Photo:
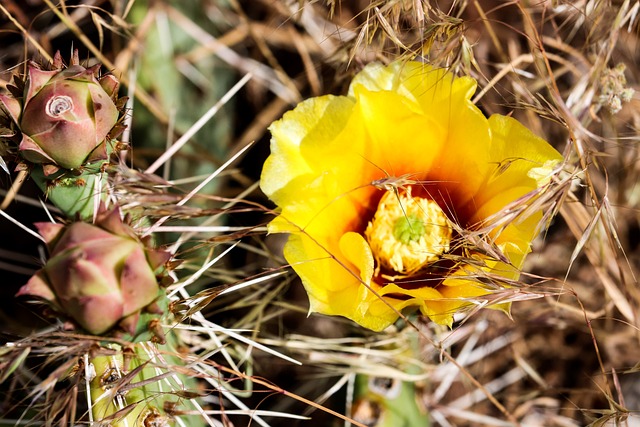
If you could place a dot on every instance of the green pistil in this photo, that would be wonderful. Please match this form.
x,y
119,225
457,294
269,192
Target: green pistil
x,y
408,229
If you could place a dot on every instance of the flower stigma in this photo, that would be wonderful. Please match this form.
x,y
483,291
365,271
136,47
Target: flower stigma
x,y
407,233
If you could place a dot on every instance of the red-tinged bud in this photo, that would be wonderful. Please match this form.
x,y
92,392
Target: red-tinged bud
x,y
64,115
98,274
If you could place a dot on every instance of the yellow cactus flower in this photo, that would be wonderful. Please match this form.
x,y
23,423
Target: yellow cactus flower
x,y
381,191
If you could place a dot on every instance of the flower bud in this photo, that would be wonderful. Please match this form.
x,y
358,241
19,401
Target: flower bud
x,y
64,115
97,274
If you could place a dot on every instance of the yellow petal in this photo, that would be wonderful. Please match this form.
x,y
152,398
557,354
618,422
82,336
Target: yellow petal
x,y
339,284
401,140
325,115
357,252
463,159
420,297
514,152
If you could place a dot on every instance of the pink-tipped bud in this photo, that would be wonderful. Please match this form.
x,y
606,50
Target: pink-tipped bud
x,y
64,115
98,274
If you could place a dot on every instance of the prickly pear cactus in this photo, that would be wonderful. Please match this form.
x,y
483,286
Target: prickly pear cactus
x,y
387,402
108,284
101,279
138,386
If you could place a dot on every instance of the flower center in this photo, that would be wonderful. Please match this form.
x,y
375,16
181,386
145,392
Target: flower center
x,y
407,233
58,105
